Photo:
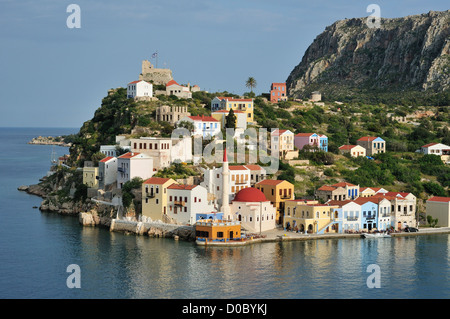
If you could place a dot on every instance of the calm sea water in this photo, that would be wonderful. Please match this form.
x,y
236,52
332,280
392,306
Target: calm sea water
x,y
36,248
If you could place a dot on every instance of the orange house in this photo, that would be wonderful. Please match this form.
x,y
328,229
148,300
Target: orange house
x,y
208,229
278,92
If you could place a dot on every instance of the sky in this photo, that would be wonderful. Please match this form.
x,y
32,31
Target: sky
x,y
55,76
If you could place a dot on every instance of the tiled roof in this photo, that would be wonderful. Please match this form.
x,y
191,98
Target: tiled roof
x,y
238,168
270,182
367,138
104,160
157,180
428,145
182,187
254,167
304,134
172,82
129,155
326,188
439,199
342,184
230,99
347,147
203,118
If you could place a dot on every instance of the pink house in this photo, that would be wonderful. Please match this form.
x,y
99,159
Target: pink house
x,y
313,139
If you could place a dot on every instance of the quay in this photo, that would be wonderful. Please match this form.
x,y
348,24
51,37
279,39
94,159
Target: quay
x,y
280,235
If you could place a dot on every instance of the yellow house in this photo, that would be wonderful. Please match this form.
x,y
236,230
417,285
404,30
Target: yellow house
x,y
154,197
310,216
90,176
277,192
228,103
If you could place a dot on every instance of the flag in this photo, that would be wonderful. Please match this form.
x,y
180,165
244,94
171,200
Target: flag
x,y
154,55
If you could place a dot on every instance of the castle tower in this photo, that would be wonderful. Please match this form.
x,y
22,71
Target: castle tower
x,y
225,209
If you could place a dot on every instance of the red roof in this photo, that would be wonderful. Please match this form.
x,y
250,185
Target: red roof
x,y
250,194
136,81
367,138
104,160
428,145
342,184
172,82
304,134
338,202
129,155
326,188
439,199
284,83
233,99
254,167
279,132
156,180
185,187
203,118
270,182
238,168
347,147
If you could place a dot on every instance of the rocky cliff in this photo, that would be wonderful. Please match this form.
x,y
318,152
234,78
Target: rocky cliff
x,y
403,54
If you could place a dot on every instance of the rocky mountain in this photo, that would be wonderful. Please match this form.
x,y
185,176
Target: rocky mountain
x,y
404,54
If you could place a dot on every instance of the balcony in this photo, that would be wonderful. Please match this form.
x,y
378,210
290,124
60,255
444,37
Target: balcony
x,y
238,182
179,203
350,219
370,217
121,169
286,196
150,195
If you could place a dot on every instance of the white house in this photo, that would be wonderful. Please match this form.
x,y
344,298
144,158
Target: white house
x,y
139,88
173,88
107,171
251,207
158,148
351,216
132,165
204,125
435,149
186,201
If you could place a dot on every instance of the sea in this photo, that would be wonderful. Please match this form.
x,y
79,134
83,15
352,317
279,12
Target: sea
x,y
38,253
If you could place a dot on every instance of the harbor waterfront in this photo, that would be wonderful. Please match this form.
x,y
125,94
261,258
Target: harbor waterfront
x,y
38,247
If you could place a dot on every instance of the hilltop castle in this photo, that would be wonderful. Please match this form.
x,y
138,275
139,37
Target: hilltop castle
x,y
156,76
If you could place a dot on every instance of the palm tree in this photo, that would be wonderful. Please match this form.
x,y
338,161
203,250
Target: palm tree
x,y
251,83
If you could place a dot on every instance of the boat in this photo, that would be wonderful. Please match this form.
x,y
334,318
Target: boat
x,y
376,235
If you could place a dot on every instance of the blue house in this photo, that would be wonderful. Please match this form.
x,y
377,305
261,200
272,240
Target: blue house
x,y
369,212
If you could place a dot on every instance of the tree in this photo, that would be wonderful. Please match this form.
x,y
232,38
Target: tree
x,y
251,83
230,120
432,221
187,125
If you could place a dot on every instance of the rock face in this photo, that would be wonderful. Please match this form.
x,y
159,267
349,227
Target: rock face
x,y
410,53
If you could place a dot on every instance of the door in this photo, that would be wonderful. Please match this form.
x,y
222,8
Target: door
x,y
231,234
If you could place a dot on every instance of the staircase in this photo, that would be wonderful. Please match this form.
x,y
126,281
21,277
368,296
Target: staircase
x,y
322,231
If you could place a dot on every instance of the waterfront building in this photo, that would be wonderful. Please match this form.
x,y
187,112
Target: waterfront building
x,y
107,171
314,140
368,213
278,92
205,126
171,114
228,103
403,208
439,207
215,229
353,150
139,88
351,215
131,165
154,197
277,192
372,144
282,143
186,201
253,210
312,217
173,88
339,191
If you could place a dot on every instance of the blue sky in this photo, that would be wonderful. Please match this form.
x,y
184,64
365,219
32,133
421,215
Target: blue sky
x,y
53,76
